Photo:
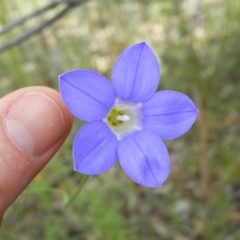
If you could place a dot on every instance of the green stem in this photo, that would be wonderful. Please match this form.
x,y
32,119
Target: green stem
x,y
83,180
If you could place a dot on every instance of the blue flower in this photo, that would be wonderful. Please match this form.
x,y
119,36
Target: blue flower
x,y
126,119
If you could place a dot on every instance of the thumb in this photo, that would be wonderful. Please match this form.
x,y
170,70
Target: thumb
x,y
34,123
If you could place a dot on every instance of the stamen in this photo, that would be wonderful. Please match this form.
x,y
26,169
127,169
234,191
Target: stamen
x,y
123,118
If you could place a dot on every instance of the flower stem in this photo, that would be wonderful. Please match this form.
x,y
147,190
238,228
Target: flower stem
x,y
83,180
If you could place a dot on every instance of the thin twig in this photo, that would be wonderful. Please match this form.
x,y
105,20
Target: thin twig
x,y
36,13
32,15
40,27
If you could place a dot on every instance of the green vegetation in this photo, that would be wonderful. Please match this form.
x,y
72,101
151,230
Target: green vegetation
x,y
197,43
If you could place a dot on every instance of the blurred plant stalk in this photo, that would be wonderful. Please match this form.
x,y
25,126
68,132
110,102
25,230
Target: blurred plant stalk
x,y
203,138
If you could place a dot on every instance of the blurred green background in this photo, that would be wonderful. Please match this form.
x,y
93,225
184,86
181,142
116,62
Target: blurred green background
x,y
198,44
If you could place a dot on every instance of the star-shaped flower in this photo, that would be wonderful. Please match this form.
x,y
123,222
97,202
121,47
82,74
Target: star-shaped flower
x,y
126,119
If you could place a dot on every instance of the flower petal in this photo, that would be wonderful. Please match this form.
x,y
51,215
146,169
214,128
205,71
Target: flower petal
x,y
136,73
168,113
144,158
94,148
87,94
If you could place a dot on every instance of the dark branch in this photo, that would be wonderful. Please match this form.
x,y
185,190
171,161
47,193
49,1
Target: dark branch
x,y
40,27
32,15
38,12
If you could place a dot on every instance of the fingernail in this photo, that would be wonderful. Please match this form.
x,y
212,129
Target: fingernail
x,y
34,123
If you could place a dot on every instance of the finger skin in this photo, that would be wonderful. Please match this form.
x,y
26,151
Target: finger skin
x,y
17,169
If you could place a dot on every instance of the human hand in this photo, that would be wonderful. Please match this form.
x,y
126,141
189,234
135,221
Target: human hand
x,y
34,123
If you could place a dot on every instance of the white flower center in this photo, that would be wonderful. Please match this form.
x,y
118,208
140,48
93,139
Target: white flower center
x,y
124,118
